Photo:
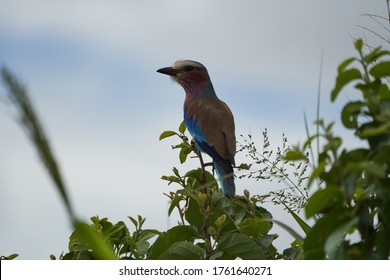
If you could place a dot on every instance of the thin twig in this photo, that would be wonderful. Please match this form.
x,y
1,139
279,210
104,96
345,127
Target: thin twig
x,y
388,9
375,18
319,98
308,136
375,33
202,165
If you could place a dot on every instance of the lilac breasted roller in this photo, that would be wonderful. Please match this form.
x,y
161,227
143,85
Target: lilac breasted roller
x,y
208,119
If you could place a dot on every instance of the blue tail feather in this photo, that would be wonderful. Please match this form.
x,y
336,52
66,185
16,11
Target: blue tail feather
x,y
223,167
224,171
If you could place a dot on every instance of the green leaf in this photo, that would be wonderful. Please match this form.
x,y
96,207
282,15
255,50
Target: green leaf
x,y
382,69
171,179
146,234
180,146
134,221
182,127
289,229
194,173
383,242
232,208
375,55
345,64
384,110
244,166
184,152
370,131
240,246
167,239
141,220
293,253
14,256
304,226
334,240
317,172
356,155
255,227
141,248
321,199
294,155
183,250
369,167
329,127
343,79
313,247
334,144
309,141
175,202
94,241
117,231
384,92
220,220
350,114
167,134
193,215
182,156
359,45
176,172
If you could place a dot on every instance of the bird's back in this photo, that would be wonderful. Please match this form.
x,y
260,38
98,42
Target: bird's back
x,y
213,119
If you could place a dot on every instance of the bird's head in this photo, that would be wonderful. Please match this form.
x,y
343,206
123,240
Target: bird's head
x,y
191,75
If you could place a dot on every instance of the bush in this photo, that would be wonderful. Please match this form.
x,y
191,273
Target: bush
x,y
354,193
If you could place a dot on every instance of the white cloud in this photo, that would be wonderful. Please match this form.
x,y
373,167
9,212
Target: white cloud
x,y
253,38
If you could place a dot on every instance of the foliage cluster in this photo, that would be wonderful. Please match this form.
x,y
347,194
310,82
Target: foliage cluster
x,y
210,227
354,193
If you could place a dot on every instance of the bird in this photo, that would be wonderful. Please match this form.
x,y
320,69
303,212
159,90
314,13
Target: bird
x,y
208,119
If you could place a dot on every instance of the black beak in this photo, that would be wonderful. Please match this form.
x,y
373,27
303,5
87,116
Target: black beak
x,y
167,71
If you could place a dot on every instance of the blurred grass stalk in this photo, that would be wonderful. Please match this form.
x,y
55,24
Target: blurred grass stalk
x,y
28,119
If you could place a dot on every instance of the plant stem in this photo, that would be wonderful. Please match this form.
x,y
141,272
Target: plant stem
x,y
206,206
208,247
388,9
269,163
364,65
203,169
318,99
30,122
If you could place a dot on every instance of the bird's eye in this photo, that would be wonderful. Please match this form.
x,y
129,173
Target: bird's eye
x,y
188,68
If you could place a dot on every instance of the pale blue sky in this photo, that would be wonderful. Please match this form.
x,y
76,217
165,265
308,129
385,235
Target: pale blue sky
x,y
90,67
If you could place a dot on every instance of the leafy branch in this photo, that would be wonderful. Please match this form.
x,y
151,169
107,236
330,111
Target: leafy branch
x,y
355,196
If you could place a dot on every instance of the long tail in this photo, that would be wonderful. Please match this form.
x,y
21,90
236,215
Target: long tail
x,y
226,177
223,167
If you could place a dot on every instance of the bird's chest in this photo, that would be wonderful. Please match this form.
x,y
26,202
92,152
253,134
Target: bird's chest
x,y
193,127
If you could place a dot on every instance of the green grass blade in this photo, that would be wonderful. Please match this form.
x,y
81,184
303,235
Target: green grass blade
x,y
291,231
304,226
31,124
95,242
